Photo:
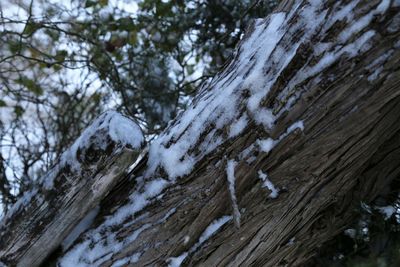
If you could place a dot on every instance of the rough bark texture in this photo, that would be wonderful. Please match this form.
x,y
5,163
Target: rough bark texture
x,y
346,93
41,220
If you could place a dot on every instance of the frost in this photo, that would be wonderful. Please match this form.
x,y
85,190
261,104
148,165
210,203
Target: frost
x,y
210,230
230,173
267,183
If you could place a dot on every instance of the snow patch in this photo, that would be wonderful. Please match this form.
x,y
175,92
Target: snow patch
x,y
387,211
124,261
210,230
268,184
121,130
230,173
266,145
238,126
87,254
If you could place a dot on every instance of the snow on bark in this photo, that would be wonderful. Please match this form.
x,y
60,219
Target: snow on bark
x,y
235,97
75,185
268,184
268,144
96,249
230,174
208,232
261,85
244,93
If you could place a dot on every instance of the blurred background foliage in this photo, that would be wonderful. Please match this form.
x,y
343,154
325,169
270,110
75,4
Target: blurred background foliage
x,y
64,62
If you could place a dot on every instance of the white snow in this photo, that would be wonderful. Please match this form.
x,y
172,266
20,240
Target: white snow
x,y
238,126
121,130
177,261
266,145
230,173
261,58
268,184
210,230
220,111
294,126
106,245
124,261
387,211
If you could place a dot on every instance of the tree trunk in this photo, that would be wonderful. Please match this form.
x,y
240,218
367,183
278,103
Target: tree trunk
x,y
45,215
299,128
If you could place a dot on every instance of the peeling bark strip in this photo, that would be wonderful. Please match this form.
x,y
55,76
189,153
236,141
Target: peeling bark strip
x,y
39,222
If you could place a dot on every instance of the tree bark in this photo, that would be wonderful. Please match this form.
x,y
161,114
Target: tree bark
x,y
40,221
328,76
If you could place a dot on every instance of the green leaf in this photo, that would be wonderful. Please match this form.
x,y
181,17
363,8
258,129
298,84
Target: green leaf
x,y
126,24
18,110
31,27
61,55
90,3
31,85
132,39
15,46
2,104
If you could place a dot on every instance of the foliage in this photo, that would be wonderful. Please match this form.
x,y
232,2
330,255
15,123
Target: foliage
x,y
64,62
